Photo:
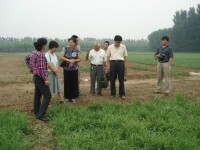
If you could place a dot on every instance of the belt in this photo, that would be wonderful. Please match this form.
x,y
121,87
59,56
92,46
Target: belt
x,y
96,65
163,61
117,61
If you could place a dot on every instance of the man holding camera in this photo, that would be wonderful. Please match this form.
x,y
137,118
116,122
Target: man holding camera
x,y
164,55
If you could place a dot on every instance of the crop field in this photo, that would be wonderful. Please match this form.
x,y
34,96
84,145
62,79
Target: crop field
x,y
143,121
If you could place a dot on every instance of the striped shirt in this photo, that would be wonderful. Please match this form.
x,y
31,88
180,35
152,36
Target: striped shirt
x,y
37,64
166,53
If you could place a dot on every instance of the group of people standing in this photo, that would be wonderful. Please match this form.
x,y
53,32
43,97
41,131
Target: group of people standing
x,y
111,60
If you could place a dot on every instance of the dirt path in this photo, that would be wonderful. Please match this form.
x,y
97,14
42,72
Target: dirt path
x,y
16,87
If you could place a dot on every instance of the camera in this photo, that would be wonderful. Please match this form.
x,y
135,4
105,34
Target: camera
x,y
162,56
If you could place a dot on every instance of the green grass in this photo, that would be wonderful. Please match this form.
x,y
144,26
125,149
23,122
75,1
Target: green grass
x,y
84,68
13,129
157,124
180,59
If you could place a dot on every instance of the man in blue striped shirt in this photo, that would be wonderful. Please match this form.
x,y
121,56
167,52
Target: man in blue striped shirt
x,y
164,55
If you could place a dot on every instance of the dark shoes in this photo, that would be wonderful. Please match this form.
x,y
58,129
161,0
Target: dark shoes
x,y
100,94
74,101
92,94
157,92
43,118
61,101
122,97
166,94
112,97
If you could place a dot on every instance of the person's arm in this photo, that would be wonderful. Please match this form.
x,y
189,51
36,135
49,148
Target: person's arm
x,y
62,57
90,55
125,55
157,54
27,61
43,67
51,67
78,58
104,60
108,53
125,59
171,57
170,61
49,64
87,55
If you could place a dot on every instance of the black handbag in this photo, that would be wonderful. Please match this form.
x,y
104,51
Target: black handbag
x,y
62,62
104,81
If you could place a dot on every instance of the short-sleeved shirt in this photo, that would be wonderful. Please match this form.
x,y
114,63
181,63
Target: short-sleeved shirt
x,y
117,53
97,57
71,54
166,53
51,58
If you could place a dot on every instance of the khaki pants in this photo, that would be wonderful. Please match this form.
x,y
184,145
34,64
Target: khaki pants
x,y
163,71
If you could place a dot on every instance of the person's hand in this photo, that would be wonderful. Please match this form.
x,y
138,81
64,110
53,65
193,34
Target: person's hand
x,y
157,55
71,61
125,65
56,71
169,64
47,83
107,65
71,64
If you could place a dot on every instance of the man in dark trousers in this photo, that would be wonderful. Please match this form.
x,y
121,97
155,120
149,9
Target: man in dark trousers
x,y
117,54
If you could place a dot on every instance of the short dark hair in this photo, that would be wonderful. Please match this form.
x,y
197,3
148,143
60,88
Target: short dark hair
x,y
118,38
74,36
73,39
107,42
165,38
53,44
40,43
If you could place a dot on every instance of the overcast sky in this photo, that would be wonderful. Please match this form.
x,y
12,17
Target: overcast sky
x,y
133,19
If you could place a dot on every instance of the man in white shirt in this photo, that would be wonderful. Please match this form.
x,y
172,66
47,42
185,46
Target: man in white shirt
x,y
97,57
117,54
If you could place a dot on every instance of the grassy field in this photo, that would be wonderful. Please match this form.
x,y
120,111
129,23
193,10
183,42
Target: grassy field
x,y
145,121
157,124
180,59
13,130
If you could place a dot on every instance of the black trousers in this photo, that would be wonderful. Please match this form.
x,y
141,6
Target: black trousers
x,y
40,107
117,70
71,90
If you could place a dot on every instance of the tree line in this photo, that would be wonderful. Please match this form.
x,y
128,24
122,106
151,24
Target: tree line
x,y
10,44
185,33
